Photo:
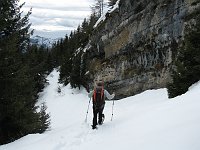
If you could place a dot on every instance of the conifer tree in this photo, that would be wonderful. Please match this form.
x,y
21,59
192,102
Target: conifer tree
x,y
18,96
75,75
112,2
98,8
73,67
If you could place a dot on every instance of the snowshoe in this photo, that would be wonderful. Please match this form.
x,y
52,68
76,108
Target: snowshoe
x,y
103,118
94,127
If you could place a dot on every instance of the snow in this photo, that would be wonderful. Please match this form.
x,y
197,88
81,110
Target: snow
x,y
42,41
103,17
87,47
147,121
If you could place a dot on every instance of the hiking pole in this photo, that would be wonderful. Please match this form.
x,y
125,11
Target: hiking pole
x,y
112,110
87,110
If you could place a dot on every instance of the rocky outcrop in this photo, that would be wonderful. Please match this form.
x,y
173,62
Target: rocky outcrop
x,y
134,48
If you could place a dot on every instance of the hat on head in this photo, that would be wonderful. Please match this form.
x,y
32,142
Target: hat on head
x,y
100,83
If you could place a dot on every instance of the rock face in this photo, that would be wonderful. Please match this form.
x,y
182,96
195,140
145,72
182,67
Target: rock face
x,y
134,48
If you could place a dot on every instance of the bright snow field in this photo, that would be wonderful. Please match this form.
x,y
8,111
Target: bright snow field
x,y
147,121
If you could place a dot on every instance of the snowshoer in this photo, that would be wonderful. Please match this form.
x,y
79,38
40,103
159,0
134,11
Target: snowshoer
x,y
98,97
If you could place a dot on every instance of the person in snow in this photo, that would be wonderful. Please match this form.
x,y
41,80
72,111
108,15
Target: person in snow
x,y
98,96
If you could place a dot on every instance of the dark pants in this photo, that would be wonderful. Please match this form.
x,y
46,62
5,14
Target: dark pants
x,y
97,111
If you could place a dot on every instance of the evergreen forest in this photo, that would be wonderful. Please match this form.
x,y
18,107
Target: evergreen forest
x,y
24,67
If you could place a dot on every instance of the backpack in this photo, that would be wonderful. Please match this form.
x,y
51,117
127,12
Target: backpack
x,y
98,97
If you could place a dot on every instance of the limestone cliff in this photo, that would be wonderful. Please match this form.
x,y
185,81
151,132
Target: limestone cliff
x,y
134,48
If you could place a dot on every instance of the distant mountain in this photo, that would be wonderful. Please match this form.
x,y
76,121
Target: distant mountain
x,y
42,41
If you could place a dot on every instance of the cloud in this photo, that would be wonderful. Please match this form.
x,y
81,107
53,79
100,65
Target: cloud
x,y
63,8
57,16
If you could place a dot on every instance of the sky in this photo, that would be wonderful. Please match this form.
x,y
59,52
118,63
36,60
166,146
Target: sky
x,y
56,18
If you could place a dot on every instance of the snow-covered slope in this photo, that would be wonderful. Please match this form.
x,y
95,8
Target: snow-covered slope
x,y
147,121
42,41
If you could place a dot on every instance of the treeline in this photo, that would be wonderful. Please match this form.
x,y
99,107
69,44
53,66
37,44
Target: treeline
x,y
70,56
22,75
73,61
69,52
23,69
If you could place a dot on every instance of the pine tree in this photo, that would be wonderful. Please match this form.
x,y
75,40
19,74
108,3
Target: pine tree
x,y
18,95
44,119
112,2
73,66
98,8
75,75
